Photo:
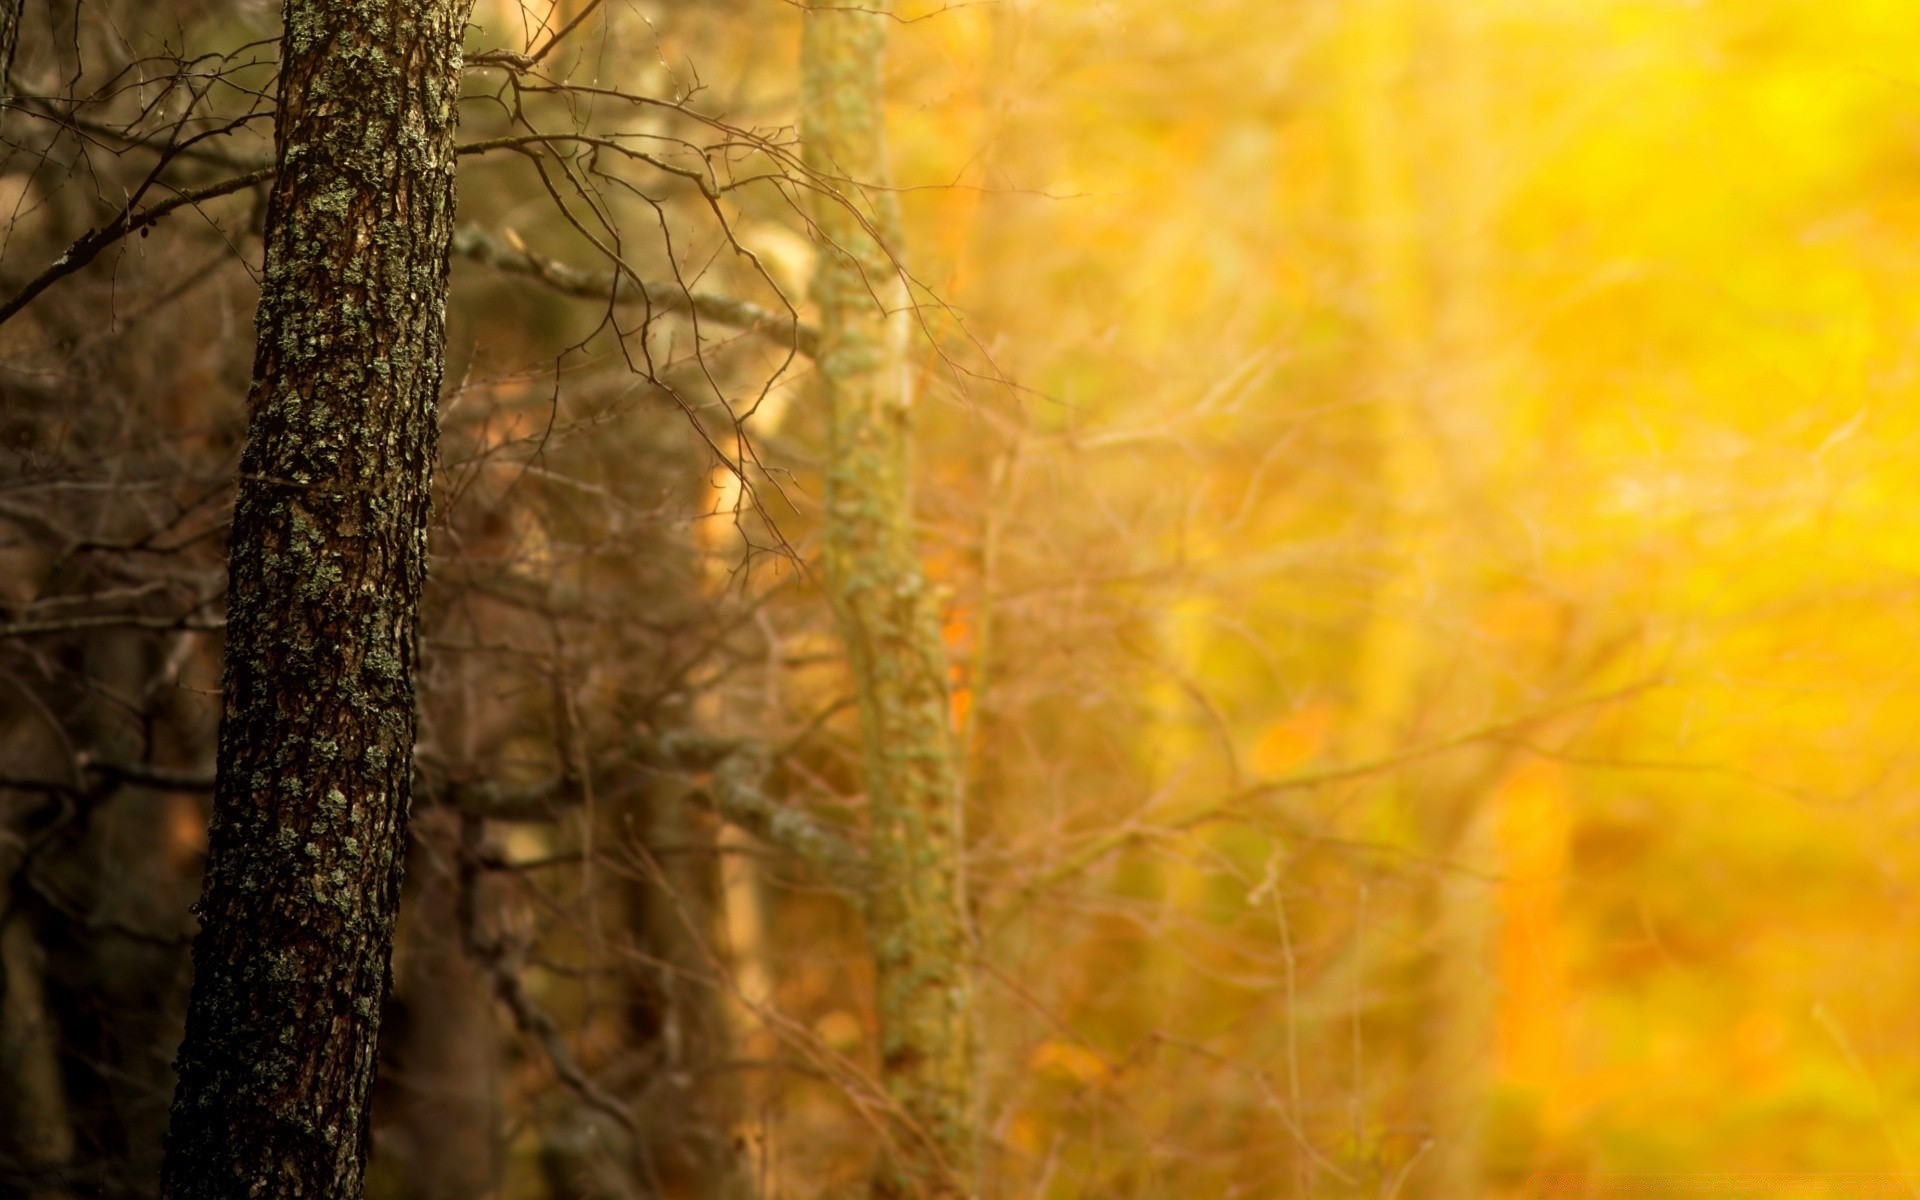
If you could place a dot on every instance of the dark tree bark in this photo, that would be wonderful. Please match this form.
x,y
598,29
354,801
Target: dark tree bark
x,y
327,559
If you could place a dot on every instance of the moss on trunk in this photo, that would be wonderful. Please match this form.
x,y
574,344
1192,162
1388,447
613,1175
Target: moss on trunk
x,y
327,560
886,615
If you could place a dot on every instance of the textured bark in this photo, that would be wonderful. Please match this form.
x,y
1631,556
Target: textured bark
x,y
327,558
886,615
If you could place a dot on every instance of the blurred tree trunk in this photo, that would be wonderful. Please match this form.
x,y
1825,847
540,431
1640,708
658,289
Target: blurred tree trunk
x,y
121,999
1424,282
94,986
1396,301
36,1132
327,559
448,1060
1462,1028
36,1126
9,42
916,919
694,1102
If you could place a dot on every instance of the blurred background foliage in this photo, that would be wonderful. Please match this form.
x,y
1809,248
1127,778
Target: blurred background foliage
x,y
1422,494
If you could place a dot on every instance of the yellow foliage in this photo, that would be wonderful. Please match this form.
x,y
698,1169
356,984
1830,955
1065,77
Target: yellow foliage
x,y
1065,1062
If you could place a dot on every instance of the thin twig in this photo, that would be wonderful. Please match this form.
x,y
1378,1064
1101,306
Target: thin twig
x,y
488,249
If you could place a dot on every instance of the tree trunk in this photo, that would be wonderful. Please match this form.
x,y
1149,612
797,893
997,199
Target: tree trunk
x,y
916,919
694,1107
1410,477
36,1133
9,42
327,558
448,1061
1427,305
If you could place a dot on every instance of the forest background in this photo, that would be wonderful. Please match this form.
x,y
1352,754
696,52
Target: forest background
x,y
1418,498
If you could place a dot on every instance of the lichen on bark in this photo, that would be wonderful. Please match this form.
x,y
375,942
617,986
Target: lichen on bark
x,y
886,613
326,563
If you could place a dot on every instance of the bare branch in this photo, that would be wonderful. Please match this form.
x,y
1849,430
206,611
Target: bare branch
x,y
1224,806
536,1021
481,246
112,621
129,221
734,793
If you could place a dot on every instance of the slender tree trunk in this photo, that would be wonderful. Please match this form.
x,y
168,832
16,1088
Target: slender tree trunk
x,y
9,42
327,559
1410,477
36,1131
36,1127
1423,274
695,1108
448,1063
916,916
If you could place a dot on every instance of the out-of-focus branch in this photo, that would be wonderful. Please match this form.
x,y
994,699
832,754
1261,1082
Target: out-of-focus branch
x,y
470,242
112,621
732,792
147,775
538,1023
166,779
1180,821
524,62
735,795
493,801
488,249
129,221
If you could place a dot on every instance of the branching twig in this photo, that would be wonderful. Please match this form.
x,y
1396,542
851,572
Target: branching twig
x,y
112,621
1179,822
734,793
129,221
538,1023
480,246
